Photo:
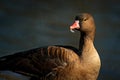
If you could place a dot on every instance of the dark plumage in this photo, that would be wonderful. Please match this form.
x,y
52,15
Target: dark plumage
x,y
59,62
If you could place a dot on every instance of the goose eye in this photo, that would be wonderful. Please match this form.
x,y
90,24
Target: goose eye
x,y
85,19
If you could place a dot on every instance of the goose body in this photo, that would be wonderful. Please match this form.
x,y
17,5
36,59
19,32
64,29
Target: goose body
x,y
59,62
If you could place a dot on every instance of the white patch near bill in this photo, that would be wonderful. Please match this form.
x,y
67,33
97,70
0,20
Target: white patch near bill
x,y
72,31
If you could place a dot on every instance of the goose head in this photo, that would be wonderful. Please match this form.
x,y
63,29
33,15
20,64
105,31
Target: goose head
x,y
84,22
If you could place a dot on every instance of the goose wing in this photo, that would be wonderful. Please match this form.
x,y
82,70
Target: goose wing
x,y
41,62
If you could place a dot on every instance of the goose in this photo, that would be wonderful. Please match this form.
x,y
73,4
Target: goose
x,y
59,62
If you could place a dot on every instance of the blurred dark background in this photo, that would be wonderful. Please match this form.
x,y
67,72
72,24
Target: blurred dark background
x,y
27,24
